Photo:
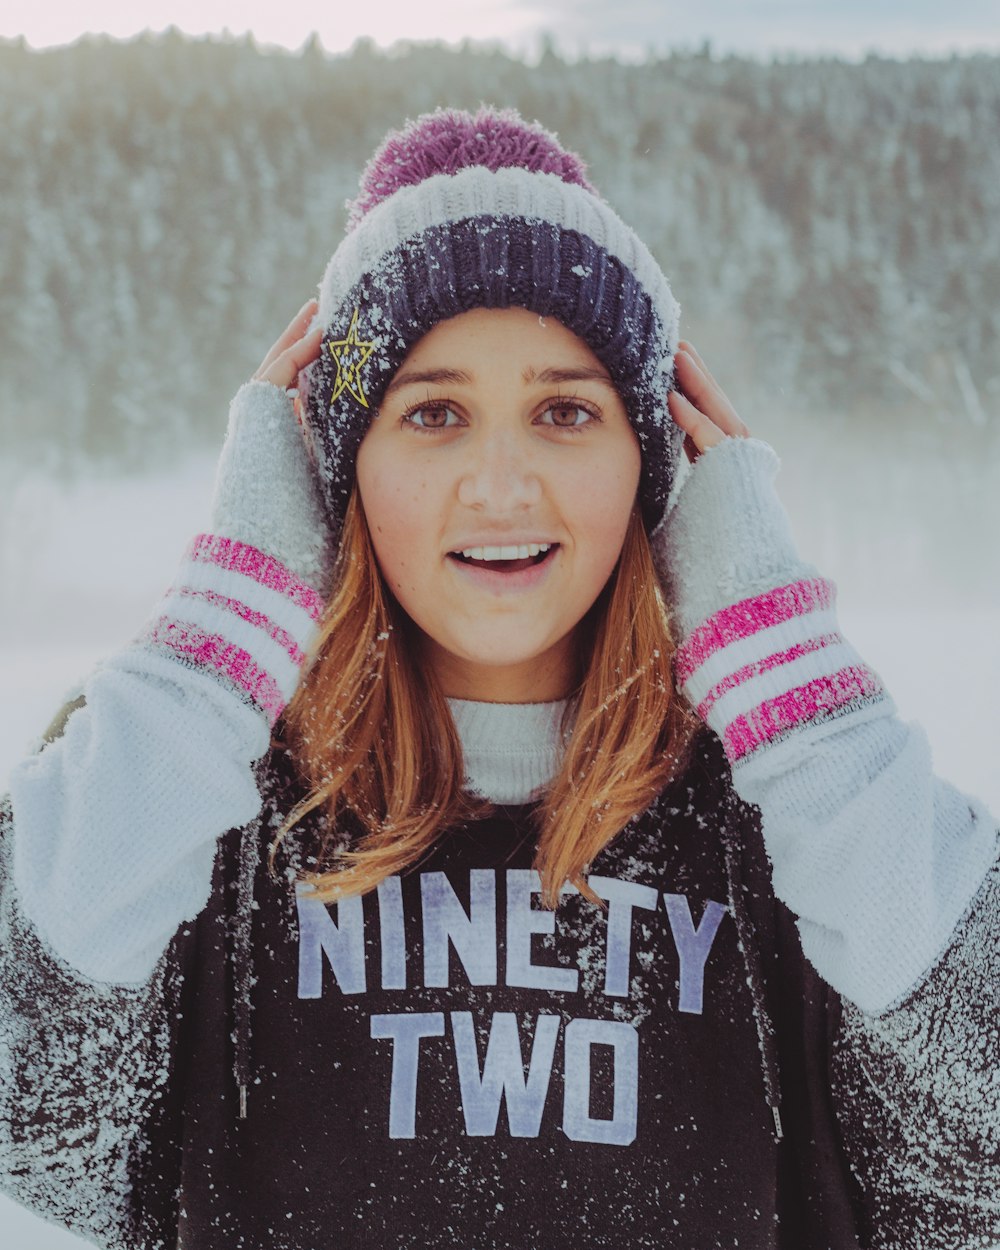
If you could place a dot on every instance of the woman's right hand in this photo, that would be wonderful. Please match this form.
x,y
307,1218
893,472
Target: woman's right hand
x,y
266,492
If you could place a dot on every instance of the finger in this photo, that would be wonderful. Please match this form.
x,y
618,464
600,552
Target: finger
x,y
695,424
285,369
699,385
706,394
689,445
686,345
293,331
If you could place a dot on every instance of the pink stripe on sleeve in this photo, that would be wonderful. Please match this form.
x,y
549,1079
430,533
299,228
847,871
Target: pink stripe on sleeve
x,y
813,701
757,667
281,636
750,616
214,652
237,557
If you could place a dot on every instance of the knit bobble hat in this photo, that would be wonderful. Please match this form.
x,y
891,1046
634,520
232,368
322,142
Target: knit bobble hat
x,y
458,211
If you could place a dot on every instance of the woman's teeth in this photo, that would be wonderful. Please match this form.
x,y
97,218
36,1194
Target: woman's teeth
x,y
505,553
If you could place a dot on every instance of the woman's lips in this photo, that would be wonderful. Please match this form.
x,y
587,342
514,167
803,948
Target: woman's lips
x,y
518,575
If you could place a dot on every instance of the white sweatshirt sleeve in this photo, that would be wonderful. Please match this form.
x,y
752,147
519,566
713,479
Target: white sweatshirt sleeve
x,y
116,821
879,859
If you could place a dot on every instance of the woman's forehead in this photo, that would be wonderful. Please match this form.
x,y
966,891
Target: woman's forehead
x,y
538,343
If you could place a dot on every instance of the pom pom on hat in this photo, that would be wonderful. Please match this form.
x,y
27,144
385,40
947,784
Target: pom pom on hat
x,y
447,140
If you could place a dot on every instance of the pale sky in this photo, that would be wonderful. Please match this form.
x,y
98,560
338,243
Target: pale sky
x,y
849,28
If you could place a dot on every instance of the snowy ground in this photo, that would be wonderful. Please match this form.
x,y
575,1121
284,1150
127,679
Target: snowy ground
x,y
82,566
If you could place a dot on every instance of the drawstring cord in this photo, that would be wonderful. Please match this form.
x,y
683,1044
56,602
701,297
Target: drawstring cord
x,y
751,958
251,848
243,979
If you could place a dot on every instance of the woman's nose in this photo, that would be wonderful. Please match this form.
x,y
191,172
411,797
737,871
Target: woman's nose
x,y
499,476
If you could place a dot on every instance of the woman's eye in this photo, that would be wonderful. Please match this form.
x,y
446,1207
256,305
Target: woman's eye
x,y
431,417
567,416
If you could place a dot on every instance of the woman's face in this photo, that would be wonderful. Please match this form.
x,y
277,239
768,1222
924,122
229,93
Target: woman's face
x,y
500,429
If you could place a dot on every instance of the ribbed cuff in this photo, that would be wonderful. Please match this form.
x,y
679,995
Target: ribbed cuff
x,y
266,491
243,616
728,535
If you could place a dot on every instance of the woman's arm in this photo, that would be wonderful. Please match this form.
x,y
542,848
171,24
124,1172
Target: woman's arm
x,y
80,1066
115,823
885,864
878,858
917,1092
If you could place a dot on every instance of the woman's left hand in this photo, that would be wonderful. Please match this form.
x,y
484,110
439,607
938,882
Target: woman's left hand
x,y
700,406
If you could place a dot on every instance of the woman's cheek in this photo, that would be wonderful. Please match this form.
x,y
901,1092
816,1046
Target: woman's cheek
x,y
388,500
609,497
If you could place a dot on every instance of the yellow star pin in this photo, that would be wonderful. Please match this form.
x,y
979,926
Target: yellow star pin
x,y
350,354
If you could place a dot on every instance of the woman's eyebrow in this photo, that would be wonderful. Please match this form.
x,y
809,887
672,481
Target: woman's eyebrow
x,y
454,377
578,373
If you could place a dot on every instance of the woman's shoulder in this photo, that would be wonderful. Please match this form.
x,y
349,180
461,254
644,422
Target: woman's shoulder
x,y
282,784
705,778
280,779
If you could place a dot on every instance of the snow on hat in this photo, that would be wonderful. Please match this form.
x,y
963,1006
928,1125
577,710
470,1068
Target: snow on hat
x,y
458,211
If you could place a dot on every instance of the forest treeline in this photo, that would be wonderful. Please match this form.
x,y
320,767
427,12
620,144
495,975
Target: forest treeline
x,y
830,228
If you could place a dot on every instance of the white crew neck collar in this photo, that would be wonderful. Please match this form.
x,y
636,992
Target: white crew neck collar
x,y
511,750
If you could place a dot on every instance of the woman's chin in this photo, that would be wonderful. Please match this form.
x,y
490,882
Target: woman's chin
x,y
494,671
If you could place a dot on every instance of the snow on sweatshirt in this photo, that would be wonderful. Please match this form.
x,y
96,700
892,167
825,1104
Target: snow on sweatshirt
x,y
125,836
443,1063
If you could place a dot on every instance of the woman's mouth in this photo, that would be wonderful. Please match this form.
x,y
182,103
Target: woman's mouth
x,y
521,574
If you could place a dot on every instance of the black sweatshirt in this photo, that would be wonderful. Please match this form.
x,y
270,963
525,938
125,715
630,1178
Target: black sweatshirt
x,y
442,1062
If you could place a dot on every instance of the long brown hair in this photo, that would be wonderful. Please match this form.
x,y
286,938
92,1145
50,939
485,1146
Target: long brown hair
x,y
370,731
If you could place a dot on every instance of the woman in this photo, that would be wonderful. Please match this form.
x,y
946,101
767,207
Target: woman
x,y
447,652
